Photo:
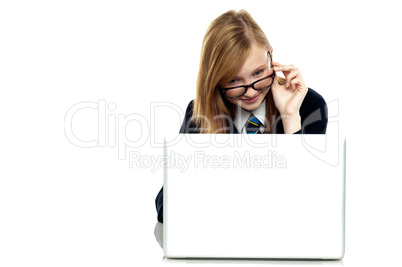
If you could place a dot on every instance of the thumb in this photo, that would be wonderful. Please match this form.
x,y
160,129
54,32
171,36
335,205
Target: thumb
x,y
275,84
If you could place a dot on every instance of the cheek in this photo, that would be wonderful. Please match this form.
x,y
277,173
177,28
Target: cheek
x,y
234,101
264,93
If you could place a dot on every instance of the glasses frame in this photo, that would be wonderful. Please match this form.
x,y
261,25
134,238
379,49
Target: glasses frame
x,y
224,90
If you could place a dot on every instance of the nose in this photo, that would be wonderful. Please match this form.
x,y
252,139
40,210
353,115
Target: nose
x,y
250,93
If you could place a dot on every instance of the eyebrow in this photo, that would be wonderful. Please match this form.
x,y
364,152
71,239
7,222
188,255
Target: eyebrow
x,y
261,67
255,70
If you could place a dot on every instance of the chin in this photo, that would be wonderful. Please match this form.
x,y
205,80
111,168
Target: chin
x,y
248,107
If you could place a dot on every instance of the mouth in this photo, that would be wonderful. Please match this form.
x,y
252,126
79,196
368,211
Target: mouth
x,y
250,100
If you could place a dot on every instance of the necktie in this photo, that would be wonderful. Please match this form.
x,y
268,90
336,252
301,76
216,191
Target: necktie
x,y
253,125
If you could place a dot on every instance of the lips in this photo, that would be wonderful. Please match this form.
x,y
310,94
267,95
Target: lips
x,y
250,100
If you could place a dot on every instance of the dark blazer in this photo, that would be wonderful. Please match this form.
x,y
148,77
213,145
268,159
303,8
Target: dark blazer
x,y
314,119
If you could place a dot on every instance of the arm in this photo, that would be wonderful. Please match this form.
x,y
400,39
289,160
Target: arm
x,y
289,97
302,110
186,127
313,115
159,205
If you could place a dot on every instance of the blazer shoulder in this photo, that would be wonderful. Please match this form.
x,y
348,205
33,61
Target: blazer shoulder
x,y
314,113
312,101
188,125
314,98
190,107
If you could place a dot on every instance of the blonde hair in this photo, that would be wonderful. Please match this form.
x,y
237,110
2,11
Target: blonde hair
x,y
225,48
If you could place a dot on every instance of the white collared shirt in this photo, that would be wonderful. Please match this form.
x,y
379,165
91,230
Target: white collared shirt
x,y
241,117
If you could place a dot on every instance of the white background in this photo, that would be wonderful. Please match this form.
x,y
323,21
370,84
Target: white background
x,y
61,204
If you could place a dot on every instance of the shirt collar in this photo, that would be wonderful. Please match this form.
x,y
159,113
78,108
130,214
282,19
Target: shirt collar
x,y
241,116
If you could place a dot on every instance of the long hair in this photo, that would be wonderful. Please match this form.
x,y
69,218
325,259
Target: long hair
x,y
225,48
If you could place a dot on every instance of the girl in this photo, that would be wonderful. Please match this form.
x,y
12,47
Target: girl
x,y
238,90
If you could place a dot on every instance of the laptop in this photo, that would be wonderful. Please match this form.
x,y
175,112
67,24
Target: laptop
x,y
254,196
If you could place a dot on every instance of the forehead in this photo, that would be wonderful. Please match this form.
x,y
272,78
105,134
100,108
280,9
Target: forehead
x,y
257,57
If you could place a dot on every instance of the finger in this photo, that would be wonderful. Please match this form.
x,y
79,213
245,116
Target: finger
x,y
277,66
291,75
283,68
275,84
295,83
276,63
298,85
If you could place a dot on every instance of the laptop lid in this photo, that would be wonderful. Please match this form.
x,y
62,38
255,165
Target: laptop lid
x,y
254,196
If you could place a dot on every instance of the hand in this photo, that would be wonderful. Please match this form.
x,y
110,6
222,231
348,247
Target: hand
x,y
289,97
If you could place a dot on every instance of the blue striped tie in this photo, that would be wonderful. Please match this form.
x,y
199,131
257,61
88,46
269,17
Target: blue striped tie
x,y
253,125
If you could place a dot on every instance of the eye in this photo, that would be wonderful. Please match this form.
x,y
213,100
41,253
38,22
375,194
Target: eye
x,y
234,81
258,73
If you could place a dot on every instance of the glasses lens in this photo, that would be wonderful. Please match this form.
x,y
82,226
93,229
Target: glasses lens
x,y
235,92
263,84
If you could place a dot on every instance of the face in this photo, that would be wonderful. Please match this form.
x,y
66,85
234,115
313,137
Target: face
x,y
256,66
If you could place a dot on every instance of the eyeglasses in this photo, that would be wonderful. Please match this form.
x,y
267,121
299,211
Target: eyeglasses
x,y
259,85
